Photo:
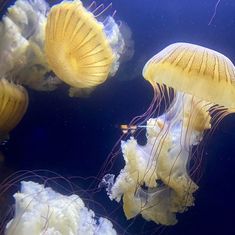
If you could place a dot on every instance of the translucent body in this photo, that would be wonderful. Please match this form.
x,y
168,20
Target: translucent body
x,y
40,210
81,51
13,105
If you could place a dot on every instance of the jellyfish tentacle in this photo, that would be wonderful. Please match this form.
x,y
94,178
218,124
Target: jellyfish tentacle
x,y
104,10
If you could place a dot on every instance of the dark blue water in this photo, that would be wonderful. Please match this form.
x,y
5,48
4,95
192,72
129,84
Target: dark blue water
x,y
73,136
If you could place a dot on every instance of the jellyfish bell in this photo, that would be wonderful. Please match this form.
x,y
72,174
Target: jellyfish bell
x,y
82,51
13,105
194,70
159,179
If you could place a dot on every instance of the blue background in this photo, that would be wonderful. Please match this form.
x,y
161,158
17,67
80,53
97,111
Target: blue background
x,y
73,136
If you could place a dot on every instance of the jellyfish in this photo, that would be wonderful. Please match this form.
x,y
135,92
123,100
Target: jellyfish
x,y
41,210
80,49
159,179
13,105
22,35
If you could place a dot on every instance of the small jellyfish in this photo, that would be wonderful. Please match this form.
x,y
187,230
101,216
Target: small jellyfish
x,y
160,177
13,105
82,51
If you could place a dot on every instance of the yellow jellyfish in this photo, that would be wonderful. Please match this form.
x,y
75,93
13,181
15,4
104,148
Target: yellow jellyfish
x,y
82,51
13,105
159,178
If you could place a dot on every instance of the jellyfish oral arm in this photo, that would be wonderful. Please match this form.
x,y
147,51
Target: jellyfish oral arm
x,y
155,181
40,210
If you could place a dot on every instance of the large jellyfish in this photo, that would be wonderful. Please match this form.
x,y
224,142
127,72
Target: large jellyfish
x,y
40,210
159,178
22,57
82,51
13,105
